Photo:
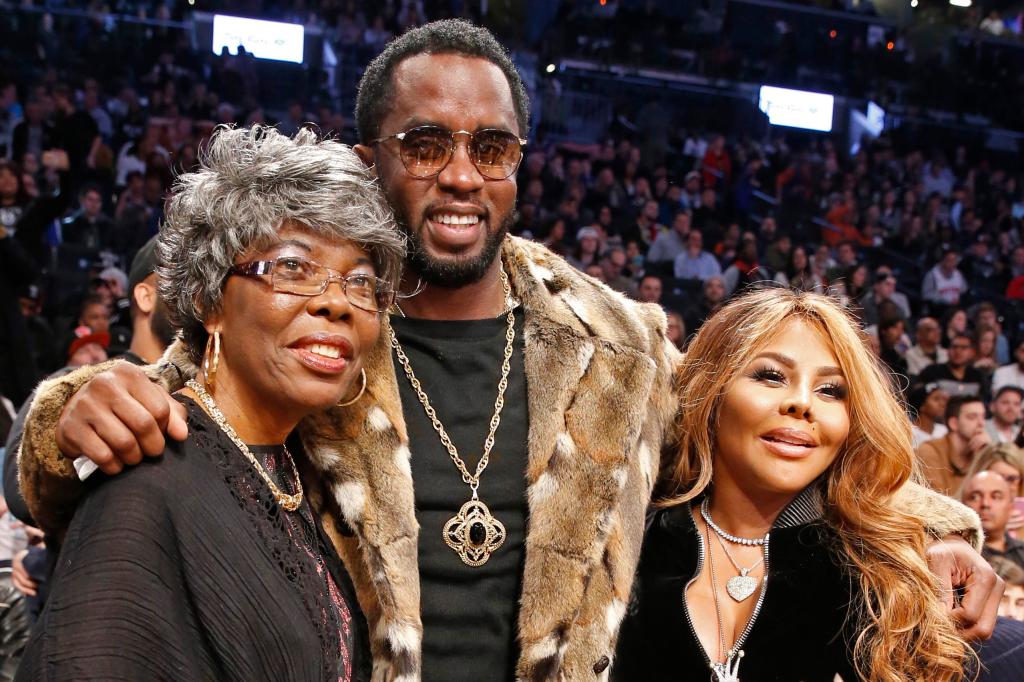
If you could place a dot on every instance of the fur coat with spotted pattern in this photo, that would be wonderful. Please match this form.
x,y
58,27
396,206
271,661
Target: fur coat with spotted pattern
x,y
601,406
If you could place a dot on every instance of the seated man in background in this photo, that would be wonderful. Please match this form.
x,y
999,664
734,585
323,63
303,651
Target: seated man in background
x,y
957,375
989,494
927,350
944,461
1004,425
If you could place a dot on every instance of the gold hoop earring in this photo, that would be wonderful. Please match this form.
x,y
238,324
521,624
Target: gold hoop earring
x,y
210,366
359,395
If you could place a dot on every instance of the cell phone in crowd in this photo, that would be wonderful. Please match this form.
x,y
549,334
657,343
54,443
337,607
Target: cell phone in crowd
x,y
1018,504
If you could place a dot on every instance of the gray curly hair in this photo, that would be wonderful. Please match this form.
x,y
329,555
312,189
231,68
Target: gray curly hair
x,y
250,181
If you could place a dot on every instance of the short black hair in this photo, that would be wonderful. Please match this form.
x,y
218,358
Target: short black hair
x,y
450,36
957,402
1009,388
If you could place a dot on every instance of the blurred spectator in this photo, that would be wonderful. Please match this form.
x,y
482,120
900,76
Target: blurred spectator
x,y
990,496
993,24
1012,374
798,273
745,269
883,288
90,228
695,262
586,252
985,343
890,344
928,403
1005,423
957,375
613,263
954,323
717,165
87,347
649,290
712,298
670,243
1007,460
676,330
986,315
927,350
944,461
1011,605
944,284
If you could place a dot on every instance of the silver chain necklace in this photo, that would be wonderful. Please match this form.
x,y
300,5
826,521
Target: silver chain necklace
x,y
724,670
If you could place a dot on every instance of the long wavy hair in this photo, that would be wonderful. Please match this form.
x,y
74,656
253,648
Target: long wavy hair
x,y
904,630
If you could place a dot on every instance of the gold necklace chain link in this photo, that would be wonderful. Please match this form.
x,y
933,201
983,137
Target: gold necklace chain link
x,y
472,480
288,502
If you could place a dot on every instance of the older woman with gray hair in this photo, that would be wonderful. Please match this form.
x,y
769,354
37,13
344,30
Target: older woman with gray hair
x,y
278,258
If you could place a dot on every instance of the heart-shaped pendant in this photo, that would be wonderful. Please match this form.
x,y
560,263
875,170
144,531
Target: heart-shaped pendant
x,y
741,586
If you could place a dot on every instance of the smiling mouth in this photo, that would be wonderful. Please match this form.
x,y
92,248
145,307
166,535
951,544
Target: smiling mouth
x,y
784,441
455,219
323,350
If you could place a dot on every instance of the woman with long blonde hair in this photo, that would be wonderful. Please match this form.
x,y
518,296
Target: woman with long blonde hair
x,y
780,553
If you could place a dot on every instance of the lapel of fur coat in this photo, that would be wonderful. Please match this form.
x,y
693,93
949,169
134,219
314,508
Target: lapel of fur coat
x,y
585,418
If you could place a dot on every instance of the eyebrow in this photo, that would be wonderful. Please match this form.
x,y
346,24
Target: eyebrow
x,y
418,122
361,260
791,364
293,242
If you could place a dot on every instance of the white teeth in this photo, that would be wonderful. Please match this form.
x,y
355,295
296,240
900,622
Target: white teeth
x,y
332,352
453,219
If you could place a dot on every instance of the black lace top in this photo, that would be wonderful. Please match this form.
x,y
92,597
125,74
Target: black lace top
x,y
185,568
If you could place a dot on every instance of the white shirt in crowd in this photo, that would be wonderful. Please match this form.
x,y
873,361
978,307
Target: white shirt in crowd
x,y
998,436
1009,375
941,288
917,359
919,436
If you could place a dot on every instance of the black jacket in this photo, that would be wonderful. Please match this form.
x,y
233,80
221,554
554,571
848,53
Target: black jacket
x,y
799,633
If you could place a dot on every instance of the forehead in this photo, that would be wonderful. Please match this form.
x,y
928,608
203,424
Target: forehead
x,y
328,250
453,91
805,342
989,482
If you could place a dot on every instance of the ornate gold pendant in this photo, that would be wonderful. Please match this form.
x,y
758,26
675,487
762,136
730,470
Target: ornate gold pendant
x,y
474,534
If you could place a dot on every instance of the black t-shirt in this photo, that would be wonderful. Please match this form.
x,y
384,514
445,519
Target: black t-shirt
x,y
469,614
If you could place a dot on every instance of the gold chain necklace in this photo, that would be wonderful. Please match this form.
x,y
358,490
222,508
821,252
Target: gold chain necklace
x,y
288,502
473,533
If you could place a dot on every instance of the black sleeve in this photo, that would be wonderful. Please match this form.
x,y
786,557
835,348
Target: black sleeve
x,y
119,608
16,263
12,490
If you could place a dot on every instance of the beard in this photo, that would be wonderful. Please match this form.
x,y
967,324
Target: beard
x,y
160,325
453,272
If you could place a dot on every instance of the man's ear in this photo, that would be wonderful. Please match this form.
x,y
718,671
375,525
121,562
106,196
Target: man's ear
x,y
144,296
365,153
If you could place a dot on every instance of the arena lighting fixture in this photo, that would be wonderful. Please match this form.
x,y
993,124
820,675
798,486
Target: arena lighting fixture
x,y
550,68
913,3
960,3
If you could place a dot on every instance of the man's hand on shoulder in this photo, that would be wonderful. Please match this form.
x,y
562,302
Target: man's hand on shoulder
x,y
960,569
119,417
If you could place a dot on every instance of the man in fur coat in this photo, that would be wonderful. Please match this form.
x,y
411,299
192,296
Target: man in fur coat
x,y
504,342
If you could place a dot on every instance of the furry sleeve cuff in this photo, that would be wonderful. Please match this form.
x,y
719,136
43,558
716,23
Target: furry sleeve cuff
x,y
942,515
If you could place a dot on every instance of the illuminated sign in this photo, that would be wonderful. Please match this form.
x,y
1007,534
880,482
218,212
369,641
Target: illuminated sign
x,y
263,39
797,108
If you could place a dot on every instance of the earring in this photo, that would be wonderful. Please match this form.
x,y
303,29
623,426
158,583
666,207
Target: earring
x,y
210,365
359,395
